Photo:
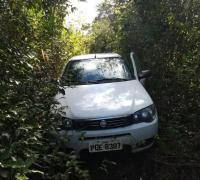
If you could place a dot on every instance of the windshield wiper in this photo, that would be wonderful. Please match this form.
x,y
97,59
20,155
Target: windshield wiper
x,y
108,79
72,82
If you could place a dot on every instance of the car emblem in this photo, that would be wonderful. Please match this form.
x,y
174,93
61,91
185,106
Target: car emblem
x,y
103,123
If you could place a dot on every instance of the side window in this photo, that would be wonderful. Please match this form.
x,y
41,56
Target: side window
x,y
129,66
137,64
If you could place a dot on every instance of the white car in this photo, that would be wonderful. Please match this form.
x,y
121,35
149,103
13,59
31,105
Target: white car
x,y
105,107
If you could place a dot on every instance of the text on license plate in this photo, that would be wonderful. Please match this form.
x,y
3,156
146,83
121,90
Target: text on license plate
x,y
101,146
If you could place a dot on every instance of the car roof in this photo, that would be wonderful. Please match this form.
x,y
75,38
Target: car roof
x,y
93,56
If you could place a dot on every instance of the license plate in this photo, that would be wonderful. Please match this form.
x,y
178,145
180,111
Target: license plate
x,y
100,146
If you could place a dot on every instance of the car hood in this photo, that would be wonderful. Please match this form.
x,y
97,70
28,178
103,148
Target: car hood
x,y
103,100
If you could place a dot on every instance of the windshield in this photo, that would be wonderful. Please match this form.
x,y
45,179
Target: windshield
x,y
92,71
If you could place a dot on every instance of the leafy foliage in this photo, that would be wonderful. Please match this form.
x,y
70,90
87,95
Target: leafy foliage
x,y
32,52
165,35
35,45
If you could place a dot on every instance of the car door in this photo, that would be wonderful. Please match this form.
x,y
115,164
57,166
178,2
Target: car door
x,y
137,67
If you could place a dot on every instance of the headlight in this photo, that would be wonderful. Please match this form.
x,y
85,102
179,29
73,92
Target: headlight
x,y
67,123
147,114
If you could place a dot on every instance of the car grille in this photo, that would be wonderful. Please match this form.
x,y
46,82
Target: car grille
x,y
96,124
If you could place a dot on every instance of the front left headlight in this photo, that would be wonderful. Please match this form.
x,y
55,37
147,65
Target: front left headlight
x,y
147,114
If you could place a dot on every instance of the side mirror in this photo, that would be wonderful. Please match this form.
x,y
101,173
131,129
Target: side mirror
x,y
62,91
55,81
145,74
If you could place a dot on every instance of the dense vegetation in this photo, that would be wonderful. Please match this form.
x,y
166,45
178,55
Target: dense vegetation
x,y
165,34
34,45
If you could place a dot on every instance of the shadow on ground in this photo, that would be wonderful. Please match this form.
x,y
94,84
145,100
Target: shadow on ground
x,y
117,165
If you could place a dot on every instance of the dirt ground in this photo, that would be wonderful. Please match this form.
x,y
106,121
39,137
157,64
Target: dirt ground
x,y
118,165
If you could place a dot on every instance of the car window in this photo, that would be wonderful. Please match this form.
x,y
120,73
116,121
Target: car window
x,y
100,70
137,64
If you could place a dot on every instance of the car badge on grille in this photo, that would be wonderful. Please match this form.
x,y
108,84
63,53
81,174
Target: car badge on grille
x,y
103,123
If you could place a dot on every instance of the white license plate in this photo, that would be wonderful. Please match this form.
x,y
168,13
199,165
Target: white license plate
x,y
100,146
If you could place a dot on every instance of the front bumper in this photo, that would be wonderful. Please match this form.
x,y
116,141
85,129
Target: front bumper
x,y
133,136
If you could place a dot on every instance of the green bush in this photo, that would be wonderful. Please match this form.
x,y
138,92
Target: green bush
x,y
32,51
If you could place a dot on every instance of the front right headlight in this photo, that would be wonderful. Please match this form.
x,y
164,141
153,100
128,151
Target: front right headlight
x,y
147,114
